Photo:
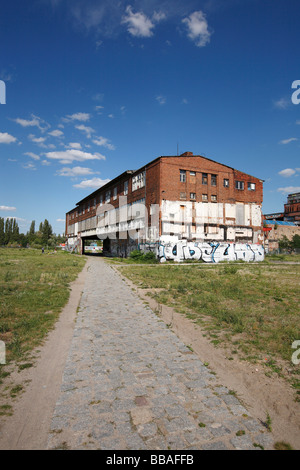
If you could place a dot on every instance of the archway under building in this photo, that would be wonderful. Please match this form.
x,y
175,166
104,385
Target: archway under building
x,y
91,246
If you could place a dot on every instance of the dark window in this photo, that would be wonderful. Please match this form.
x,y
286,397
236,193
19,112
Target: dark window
x,y
226,183
204,178
214,180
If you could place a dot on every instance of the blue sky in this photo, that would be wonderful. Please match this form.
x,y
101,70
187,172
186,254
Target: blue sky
x,y
96,87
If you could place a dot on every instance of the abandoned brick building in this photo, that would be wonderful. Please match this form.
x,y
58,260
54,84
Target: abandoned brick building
x,y
187,198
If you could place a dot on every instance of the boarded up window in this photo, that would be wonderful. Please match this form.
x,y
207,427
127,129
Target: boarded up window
x,y
240,214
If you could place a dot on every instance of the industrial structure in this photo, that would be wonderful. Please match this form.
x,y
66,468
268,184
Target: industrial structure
x,y
175,205
291,212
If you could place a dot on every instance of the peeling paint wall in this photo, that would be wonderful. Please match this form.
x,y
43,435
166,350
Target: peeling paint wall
x,y
211,221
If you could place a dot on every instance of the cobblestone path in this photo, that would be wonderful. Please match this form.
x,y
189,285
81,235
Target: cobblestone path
x,y
130,384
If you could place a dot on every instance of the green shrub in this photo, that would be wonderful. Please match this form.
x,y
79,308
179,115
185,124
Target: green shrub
x,y
140,257
136,254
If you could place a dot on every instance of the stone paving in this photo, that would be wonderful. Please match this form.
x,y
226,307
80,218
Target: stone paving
x,y
130,383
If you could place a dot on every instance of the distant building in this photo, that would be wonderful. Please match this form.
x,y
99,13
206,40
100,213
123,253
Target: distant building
x,y
292,208
172,198
291,211
282,224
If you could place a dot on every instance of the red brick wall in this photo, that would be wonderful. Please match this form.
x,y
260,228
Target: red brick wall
x,y
171,187
163,182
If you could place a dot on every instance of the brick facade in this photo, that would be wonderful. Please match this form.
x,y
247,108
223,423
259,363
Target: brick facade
x,y
224,202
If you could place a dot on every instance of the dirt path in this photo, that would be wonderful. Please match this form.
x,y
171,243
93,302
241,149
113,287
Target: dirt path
x,y
28,427
262,395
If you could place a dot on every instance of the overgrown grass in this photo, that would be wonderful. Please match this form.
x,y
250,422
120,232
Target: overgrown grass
x,y
293,257
34,287
253,309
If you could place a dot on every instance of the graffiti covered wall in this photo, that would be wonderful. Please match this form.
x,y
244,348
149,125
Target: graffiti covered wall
x,y
212,252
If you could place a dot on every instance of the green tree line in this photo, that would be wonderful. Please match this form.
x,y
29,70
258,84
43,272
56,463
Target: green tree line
x,y
10,234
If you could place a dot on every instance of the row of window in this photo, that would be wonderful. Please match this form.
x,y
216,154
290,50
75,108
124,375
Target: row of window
x,y
213,178
138,182
240,185
213,197
293,208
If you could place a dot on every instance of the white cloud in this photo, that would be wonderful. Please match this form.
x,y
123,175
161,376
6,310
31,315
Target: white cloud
x,y
76,171
197,28
99,109
37,140
35,121
29,166
6,138
46,163
94,183
282,103
161,99
289,189
288,141
83,117
32,155
7,208
61,220
138,24
68,156
158,16
88,130
56,133
287,172
75,145
103,142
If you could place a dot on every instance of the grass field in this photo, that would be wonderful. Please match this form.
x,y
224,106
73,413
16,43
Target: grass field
x,y
34,287
253,309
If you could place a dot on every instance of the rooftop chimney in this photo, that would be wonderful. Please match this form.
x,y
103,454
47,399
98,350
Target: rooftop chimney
x,y
187,154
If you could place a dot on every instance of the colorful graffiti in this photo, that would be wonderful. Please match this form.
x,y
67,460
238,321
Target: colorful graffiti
x,y
212,252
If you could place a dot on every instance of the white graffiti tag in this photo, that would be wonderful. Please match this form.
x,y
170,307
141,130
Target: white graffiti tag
x,y
213,252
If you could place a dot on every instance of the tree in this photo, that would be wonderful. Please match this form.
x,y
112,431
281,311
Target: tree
x,y
2,233
296,241
15,231
284,243
8,231
31,232
46,231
